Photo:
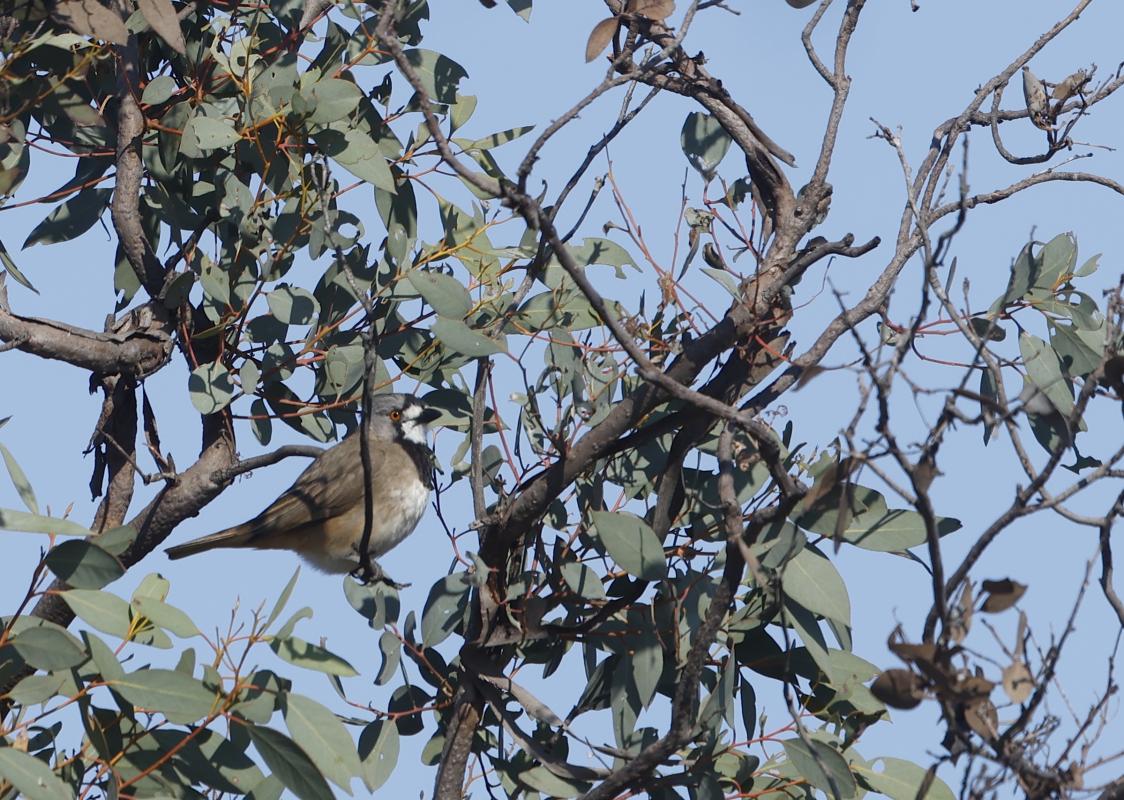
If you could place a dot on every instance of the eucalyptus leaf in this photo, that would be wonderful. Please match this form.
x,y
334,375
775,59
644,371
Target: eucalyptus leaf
x,y
631,543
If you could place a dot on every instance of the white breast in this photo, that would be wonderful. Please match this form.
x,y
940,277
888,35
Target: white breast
x,y
391,527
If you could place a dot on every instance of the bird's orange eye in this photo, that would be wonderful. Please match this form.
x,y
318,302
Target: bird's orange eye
x,y
395,415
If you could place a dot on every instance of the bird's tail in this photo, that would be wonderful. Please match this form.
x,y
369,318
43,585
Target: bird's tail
x,y
238,536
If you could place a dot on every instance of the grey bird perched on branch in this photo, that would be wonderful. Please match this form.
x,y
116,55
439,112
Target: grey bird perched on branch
x,y
321,515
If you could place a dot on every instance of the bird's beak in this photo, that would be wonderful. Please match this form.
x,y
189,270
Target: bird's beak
x,y
428,415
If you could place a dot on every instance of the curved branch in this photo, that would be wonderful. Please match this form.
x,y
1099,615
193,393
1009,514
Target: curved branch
x,y
139,350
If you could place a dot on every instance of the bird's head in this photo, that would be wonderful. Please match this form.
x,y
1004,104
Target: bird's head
x,y
406,415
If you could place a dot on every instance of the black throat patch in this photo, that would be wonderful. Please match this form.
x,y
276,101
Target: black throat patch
x,y
422,457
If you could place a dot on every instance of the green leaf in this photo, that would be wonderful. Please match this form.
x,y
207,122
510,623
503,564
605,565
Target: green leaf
x,y
209,133
813,581
83,564
331,99
901,780
165,616
300,653
103,657
444,293
823,766
726,279
445,608
704,142
31,777
631,543
49,649
19,478
180,698
260,422
322,736
293,305
808,629
1024,273
36,689
378,747
290,763
283,598
582,580
211,387
285,403
378,602
1045,371
1080,350
12,520
495,140
439,74
356,151
158,90
391,648
543,780
106,612
460,338
10,265
1058,258
72,218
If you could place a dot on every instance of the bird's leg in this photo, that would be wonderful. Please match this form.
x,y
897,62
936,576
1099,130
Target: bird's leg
x,y
376,575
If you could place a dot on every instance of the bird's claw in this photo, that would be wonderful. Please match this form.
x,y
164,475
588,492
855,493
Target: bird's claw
x,y
376,574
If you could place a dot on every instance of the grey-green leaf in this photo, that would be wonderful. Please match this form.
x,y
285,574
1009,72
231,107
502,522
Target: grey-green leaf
x,y
582,580
322,736
631,543
209,133
460,338
72,218
444,293
300,653
704,142
378,747
49,648
165,616
83,564
180,698
444,608
813,581
12,520
290,763
901,780
292,305
31,777
106,612
823,766
211,387
19,478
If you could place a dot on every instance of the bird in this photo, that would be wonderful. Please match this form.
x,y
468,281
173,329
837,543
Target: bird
x,y
321,516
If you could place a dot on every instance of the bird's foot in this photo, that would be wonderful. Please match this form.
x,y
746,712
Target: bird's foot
x,y
376,574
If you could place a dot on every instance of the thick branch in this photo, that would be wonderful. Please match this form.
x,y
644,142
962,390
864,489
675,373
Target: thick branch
x,y
134,353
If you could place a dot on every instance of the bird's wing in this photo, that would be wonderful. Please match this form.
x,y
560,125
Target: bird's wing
x,y
330,486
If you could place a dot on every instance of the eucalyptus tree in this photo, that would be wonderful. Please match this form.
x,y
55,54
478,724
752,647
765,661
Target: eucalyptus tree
x,y
625,502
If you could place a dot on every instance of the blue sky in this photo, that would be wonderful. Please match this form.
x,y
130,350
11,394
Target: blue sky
x,y
911,70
